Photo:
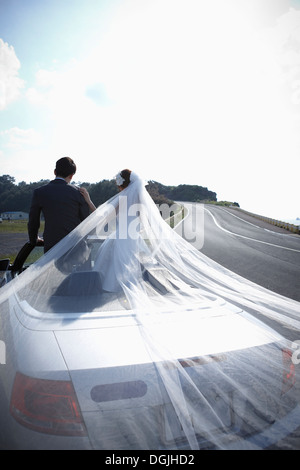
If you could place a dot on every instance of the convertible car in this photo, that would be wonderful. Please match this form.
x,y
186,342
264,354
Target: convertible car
x,y
79,376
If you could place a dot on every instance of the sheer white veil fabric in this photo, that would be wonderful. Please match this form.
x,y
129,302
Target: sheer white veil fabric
x,y
168,282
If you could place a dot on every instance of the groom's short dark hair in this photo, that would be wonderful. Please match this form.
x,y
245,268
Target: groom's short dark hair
x,y
65,166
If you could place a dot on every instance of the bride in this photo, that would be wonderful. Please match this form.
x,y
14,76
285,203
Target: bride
x,y
141,242
118,260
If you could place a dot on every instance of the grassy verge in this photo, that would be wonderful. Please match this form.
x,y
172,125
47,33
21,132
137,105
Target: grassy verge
x,y
176,216
17,226
10,256
12,227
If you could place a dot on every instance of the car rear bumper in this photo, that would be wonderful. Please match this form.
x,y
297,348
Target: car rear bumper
x,y
120,435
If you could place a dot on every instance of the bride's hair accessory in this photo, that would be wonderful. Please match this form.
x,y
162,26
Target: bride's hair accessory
x,y
123,178
119,179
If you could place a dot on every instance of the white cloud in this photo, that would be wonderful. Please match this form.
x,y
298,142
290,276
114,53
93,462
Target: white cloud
x,y
46,88
283,47
10,82
16,138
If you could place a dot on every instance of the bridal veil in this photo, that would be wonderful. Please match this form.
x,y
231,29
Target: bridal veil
x,y
125,256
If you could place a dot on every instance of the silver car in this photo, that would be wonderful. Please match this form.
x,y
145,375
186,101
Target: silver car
x,y
81,378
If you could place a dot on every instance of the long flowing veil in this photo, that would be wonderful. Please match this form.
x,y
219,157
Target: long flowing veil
x,y
222,371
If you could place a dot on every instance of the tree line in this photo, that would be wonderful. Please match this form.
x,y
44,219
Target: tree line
x,y
17,197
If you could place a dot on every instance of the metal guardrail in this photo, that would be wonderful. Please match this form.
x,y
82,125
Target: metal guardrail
x,y
278,223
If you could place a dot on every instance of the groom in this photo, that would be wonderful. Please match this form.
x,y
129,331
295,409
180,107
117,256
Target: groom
x,y
62,205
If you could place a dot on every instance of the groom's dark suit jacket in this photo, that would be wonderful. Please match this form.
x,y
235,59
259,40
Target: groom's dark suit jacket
x,y
63,207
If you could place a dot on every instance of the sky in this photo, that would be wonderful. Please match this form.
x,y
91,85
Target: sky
x,y
202,92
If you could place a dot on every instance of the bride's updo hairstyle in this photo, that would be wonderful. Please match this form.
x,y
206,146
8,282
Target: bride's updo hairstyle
x,y
125,174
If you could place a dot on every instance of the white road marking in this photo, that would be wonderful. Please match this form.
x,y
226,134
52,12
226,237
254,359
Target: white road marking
x,y
248,238
257,226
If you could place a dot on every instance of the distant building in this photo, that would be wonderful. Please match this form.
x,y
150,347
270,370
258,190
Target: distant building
x,y
14,215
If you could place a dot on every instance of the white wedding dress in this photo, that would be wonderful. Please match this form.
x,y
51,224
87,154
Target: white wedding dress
x,y
118,259
161,276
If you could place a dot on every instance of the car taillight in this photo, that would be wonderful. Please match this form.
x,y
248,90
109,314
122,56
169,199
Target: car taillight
x,y
47,406
289,377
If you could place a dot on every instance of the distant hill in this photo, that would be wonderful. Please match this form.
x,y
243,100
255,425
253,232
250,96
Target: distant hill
x,y
184,192
17,197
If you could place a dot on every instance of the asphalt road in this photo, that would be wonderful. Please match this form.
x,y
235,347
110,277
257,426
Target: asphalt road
x,y
256,250
11,243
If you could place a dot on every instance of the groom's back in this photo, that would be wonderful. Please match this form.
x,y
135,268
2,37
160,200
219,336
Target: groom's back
x,y
63,208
